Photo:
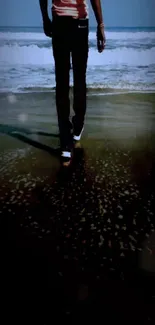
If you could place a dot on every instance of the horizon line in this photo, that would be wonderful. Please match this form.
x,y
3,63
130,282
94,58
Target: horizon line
x,y
40,26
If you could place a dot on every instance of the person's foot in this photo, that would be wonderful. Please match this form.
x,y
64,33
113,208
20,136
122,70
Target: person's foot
x,y
77,137
77,134
78,127
66,157
77,145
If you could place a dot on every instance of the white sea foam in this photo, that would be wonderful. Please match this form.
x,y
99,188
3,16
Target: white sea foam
x,y
34,55
25,55
9,36
128,62
92,35
126,35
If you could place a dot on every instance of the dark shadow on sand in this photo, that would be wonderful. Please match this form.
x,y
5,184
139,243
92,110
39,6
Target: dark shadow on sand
x,y
6,128
15,132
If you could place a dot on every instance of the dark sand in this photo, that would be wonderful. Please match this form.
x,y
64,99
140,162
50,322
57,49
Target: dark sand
x,y
79,245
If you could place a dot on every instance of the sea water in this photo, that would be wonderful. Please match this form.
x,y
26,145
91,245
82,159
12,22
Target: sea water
x,y
127,63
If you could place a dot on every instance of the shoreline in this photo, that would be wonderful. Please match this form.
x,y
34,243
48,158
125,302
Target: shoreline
x,y
91,91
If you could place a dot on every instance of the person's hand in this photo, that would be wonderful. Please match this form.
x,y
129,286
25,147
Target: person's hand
x,y
101,39
47,25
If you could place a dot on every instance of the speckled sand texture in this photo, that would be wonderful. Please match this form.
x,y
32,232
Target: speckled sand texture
x,y
90,222
78,246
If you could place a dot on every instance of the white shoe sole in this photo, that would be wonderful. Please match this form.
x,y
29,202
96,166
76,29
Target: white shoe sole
x,y
66,154
78,137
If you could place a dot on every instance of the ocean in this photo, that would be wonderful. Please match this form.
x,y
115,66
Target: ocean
x,y
126,65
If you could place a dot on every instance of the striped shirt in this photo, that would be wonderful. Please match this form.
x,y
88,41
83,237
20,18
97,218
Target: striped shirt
x,y
72,8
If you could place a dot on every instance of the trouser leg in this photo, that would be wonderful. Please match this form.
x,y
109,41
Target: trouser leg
x,y
61,52
79,60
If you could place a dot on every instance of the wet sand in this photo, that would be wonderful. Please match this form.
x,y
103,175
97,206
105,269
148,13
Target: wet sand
x,y
79,245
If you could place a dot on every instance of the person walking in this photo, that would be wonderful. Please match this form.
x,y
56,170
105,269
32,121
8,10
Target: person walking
x,y
69,30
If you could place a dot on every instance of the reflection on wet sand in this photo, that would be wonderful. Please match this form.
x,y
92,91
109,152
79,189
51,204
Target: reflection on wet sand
x,y
86,235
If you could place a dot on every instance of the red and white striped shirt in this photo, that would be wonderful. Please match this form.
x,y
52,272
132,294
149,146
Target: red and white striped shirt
x,y
72,8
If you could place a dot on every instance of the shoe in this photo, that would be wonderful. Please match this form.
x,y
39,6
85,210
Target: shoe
x,y
77,137
76,140
66,158
77,130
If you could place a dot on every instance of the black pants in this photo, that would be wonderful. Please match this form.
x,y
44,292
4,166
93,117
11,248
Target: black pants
x,y
70,40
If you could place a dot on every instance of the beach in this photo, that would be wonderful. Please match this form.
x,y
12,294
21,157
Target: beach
x,y
78,243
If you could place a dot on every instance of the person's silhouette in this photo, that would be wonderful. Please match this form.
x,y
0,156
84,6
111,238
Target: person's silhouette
x,y
69,31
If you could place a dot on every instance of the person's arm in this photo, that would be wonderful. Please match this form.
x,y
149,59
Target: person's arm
x,y
101,40
96,5
44,10
47,23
